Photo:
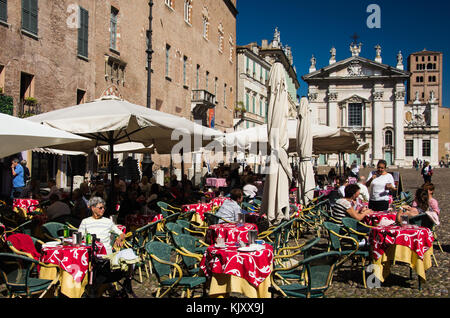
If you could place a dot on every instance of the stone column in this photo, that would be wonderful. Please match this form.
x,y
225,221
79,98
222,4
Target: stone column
x,y
399,111
377,125
332,118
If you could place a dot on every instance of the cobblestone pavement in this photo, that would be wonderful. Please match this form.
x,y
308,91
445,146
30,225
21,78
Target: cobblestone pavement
x,y
348,284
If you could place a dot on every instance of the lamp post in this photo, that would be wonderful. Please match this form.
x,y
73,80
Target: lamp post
x,y
147,162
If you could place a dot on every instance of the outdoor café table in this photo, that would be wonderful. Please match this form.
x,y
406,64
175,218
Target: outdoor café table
x,y
376,217
233,271
200,209
74,262
409,244
216,182
135,221
230,232
29,205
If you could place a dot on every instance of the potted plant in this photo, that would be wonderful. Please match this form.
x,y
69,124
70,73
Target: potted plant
x,y
240,109
31,101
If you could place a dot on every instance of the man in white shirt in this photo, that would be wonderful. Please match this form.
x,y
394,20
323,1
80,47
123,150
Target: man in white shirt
x,y
230,209
364,192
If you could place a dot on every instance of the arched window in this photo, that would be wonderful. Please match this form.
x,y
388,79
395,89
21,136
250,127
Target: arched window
x,y
388,138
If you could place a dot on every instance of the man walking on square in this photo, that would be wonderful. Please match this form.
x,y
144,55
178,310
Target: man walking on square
x,y
18,178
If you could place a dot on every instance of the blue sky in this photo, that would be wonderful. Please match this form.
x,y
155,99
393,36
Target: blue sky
x,y
313,27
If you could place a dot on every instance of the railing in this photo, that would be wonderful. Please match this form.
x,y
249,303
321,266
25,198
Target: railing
x,y
203,96
28,108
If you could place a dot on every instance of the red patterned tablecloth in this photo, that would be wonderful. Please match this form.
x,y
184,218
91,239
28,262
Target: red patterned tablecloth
x,y
375,218
318,193
216,182
200,208
418,239
133,221
231,232
28,204
72,259
254,267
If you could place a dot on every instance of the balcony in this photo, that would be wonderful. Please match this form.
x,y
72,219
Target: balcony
x,y
201,102
28,107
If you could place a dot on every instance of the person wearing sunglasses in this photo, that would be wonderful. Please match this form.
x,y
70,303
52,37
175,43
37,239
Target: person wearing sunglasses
x,y
100,226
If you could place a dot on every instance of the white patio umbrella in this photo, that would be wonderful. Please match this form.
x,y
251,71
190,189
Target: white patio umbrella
x,y
17,134
325,139
304,150
133,147
275,201
110,121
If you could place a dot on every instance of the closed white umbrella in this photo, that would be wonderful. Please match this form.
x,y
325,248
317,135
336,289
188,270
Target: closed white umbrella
x,y
17,134
304,150
275,201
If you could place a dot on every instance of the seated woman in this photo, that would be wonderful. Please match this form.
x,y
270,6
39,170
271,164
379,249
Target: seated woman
x,y
347,206
100,226
420,205
103,228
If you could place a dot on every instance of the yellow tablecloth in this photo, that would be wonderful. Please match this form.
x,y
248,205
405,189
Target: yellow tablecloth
x,y
222,285
69,287
400,253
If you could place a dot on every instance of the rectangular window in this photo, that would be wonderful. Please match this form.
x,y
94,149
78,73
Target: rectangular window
x,y
197,77
409,148
254,104
83,32
167,59
215,87
225,95
80,96
247,102
260,107
113,28
184,70
426,148
4,10
354,114
30,16
207,80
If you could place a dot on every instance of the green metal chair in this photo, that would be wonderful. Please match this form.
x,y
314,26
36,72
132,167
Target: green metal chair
x,y
137,241
283,259
167,209
163,235
337,239
161,254
16,271
212,219
249,207
53,230
191,250
192,229
319,273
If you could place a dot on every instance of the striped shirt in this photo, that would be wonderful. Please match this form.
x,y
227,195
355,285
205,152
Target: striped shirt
x,y
102,228
340,209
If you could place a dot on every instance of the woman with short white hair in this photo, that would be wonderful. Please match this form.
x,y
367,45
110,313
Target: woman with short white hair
x,y
100,226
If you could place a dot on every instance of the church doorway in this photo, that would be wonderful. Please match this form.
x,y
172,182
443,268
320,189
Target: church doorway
x,y
388,158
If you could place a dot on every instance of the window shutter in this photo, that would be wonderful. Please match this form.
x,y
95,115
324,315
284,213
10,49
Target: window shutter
x,y
34,16
4,10
30,16
26,15
83,33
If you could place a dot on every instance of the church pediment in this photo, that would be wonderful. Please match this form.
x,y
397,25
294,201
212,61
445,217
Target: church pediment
x,y
356,67
354,99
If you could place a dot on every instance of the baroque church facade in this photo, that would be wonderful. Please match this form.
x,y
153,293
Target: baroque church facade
x,y
368,97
